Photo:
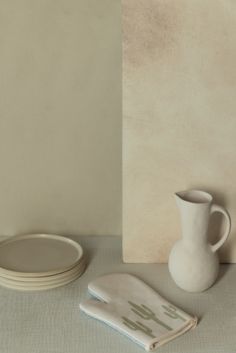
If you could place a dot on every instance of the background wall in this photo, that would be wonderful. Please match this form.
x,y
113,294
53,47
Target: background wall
x,y
179,119
60,117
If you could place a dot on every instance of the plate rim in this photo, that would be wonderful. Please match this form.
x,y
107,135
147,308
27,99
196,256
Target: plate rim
x,y
29,286
45,279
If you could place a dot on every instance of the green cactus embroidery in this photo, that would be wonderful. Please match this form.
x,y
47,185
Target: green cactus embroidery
x,y
137,326
147,314
172,312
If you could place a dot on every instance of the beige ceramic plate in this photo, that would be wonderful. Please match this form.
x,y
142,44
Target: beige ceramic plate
x,y
37,255
43,280
27,286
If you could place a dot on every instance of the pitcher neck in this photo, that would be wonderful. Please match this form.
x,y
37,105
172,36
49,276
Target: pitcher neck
x,y
195,229
194,218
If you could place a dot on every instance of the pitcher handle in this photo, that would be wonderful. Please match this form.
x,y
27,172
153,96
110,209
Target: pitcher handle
x,y
220,209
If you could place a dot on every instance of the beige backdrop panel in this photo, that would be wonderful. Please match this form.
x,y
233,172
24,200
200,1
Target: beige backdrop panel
x,y
60,126
179,118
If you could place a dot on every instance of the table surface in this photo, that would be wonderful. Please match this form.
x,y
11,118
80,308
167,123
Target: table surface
x,y
51,322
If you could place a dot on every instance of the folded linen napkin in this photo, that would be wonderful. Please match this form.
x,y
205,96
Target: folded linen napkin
x,y
133,308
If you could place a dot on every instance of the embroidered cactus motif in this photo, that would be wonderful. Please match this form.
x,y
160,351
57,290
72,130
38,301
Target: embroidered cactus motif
x,y
137,326
172,312
147,314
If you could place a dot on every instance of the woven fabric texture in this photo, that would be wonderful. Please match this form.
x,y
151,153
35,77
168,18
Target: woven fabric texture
x,y
51,321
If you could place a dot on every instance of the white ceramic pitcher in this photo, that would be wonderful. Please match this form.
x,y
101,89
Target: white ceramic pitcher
x,y
193,261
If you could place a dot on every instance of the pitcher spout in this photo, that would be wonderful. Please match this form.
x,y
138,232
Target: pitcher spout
x,y
179,197
193,197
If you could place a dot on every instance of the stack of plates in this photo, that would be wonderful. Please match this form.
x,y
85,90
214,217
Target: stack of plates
x,y
40,262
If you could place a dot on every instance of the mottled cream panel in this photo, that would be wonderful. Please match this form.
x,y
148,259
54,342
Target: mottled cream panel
x,y
179,118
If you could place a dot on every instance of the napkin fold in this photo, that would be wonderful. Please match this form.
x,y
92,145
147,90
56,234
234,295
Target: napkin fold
x,y
130,306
